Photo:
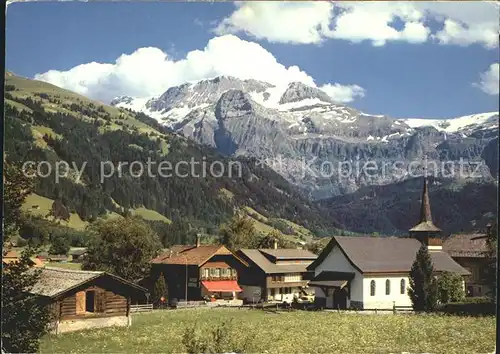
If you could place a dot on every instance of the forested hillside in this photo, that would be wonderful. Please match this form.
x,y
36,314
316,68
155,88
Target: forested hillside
x,y
393,209
46,123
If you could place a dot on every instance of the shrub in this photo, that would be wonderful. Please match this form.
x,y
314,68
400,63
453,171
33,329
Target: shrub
x,y
450,288
470,308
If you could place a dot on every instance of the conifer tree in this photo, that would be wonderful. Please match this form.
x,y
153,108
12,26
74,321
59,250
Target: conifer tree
x,y
423,287
160,292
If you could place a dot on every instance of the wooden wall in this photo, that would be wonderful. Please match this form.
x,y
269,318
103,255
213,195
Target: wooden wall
x,y
109,300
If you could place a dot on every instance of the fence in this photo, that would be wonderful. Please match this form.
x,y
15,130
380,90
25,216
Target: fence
x,y
141,308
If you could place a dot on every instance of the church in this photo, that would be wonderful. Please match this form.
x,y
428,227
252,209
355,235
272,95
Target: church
x,y
366,272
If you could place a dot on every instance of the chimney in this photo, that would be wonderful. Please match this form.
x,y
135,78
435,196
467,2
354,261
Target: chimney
x,y
197,240
275,244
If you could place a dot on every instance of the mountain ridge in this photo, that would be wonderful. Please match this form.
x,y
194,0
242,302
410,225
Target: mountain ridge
x,y
284,124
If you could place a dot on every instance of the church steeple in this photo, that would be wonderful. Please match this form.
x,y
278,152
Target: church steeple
x,y
425,207
425,228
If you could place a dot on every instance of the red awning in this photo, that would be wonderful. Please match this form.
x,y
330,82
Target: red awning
x,y
221,285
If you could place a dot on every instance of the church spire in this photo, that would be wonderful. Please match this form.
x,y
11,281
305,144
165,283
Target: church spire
x,y
425,227
425,207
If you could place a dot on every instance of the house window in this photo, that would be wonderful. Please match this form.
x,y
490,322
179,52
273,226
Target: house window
x,y
387,287
372,288
205,272
217,272
212,272
402,286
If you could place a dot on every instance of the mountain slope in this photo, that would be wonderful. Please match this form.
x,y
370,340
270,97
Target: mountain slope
x,y
299,132
46,123
394,209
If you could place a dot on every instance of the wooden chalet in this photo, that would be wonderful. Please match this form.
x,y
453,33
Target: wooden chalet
x,y
199,272
471,252
275,274
86,299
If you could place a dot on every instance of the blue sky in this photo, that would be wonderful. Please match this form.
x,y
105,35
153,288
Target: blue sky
x,y
398,73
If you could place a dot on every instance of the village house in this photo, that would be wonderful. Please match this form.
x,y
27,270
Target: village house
x,y
86,299
14,256
199,272
367,272
470,251
275,274
77,253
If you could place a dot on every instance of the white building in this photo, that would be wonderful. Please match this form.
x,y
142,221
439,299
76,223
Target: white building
x,y
368,272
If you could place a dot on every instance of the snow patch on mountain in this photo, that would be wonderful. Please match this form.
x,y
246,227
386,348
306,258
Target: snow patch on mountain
x,y
484,120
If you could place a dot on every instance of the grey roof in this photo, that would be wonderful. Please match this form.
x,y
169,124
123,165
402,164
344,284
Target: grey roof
x,y
471,245
289,253
77,251
55,281
258,257
386,254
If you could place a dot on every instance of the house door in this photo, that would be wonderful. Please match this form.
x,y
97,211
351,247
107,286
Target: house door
x,y
340,299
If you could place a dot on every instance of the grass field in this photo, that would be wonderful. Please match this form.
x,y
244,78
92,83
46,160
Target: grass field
x,y
67,265
288,332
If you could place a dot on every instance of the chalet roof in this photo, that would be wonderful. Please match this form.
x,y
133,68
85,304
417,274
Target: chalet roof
x,y
289,253
261,261
471,245
385,254
190,255
56,281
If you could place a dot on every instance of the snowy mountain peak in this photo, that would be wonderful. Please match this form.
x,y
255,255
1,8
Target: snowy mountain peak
x,y
297,91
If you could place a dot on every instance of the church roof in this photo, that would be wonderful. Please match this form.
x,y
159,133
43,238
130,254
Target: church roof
x,y
370,254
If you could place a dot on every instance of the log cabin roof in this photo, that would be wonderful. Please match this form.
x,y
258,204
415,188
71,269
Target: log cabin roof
x,y
471,245
385,254
56,281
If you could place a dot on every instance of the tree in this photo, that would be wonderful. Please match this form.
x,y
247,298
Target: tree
x,y
422,288
123,247
268,240
17,186
450,288
239,232
24,316
60,243
160,291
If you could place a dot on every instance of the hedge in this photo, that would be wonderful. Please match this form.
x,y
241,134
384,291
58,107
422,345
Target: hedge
x,y
471,306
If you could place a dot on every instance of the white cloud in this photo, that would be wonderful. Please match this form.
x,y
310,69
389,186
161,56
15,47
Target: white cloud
x,y
313,22
298,22
150,71
344,93
489,80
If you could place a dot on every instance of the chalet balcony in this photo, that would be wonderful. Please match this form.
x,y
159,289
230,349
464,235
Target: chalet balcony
x,y
220,277
270,283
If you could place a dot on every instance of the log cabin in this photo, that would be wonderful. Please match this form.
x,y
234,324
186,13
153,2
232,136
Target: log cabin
x,y
86,299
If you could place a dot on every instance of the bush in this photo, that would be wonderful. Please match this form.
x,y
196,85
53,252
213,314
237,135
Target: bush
x,y
476,300
221,340
470,309
450,288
